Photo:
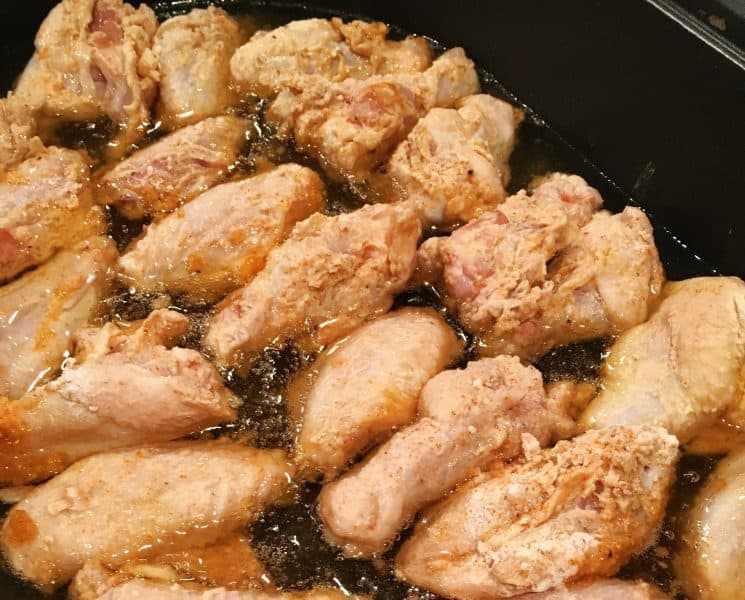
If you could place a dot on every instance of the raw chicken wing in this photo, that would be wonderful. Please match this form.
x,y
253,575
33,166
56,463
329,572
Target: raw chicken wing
x,y
193,53
354,126
332,274
40,312
712,549
468,419
138,503
602,589
328,49
493,271
126,390
454,165
175,169
93,59
683,368
45,205
367,385
220,240
578,510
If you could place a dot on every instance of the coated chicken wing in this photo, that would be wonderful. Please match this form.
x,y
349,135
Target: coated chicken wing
x,y
493,271
468,419
331,274
367,385
681,369
172,171
353,126
40,311
137,503
17,132
126,390
602,589
712,549
45,205
575,511
606,281
220,240
193,53
93,59
454,165
290,55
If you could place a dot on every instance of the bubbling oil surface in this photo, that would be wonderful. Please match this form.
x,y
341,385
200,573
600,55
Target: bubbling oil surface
x,y
288,538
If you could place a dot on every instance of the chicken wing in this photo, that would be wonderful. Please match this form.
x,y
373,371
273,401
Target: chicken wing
x,y
290,55
454,165
93,59
193,53
172,171
353,126
17,132
367,385
493,271
712,549
126,390
575,511
331,274
220,240
684,367
468,419
40,311
606,281
45,205
138,503
602,589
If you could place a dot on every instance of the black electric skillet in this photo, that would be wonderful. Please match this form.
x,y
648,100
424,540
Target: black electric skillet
x,y
635,96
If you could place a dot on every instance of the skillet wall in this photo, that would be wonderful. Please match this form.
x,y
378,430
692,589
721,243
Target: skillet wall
x,y
661,113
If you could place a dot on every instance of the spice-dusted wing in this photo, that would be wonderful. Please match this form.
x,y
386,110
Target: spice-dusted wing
x,y
93,59
454,165
578,510
220,240
193,53
367,385
40,311
468,419
353,126
331,274
327,49
683,368
126,389
174,170
138,503
601,589
45,205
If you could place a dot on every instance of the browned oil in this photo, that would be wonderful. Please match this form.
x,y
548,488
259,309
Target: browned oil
x,y
288,538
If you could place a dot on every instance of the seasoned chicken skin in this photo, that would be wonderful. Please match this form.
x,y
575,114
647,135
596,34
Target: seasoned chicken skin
x,y
93,59
367,385
220,240
602,589
40,311
174,170
493,271
712,535
328,49
126,390
331,274
353,126
454,165
577,510
45,205
137,503
468,419
17,132
683,368
193,53
606,281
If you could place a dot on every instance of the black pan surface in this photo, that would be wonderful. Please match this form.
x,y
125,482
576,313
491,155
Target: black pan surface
x,y
659,112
